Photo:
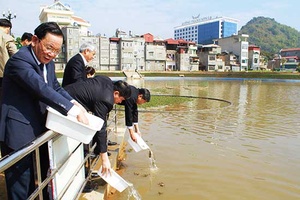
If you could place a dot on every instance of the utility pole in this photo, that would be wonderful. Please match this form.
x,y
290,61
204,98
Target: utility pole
x,y
9,16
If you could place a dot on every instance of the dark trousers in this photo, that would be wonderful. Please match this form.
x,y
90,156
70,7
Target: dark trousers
x,y
1,89
20,181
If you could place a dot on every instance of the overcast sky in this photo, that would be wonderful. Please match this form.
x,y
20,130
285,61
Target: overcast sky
x,y
158,17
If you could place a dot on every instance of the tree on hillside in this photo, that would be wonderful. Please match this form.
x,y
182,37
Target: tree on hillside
x,y
269,35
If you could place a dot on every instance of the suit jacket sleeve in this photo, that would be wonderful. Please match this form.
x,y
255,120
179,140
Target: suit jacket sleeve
x,y
53,95
11,47
101,110
131,112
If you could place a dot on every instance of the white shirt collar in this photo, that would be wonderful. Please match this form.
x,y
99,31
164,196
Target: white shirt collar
x,y
84,60
38,62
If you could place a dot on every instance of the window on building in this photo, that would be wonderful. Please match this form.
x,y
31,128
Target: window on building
x,y
244,46
211,67
244,54
212,57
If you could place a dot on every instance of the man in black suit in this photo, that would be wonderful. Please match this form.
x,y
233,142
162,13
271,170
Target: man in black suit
x,y
29,85
98,95
138,96
75,68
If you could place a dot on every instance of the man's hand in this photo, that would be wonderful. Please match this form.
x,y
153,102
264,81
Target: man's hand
x,y
105,164
79,105
81,117
132,135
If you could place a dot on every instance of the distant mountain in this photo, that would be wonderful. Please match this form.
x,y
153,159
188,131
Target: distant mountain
x,y
270,35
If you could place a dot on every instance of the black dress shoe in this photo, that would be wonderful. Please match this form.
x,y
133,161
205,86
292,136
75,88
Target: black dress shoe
x,y
110,143
87,188
108,153
90,186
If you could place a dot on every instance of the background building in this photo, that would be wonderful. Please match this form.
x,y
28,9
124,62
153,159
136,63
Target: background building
x,y
238,45
208,56
289,58
254,57
192,48
204,30
63,16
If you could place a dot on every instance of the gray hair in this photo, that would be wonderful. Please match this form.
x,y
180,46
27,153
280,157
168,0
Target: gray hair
x,y
87,45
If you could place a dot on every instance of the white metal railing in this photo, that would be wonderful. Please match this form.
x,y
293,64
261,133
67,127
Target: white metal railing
x,y
9,160
33,147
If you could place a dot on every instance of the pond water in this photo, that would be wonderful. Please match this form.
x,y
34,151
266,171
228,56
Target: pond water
x,y
245,147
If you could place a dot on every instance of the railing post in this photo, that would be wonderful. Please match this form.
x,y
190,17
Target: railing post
x,y
37,169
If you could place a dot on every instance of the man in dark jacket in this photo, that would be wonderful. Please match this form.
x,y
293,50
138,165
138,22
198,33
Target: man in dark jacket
x,y
29,85
98,95
138,96
76,67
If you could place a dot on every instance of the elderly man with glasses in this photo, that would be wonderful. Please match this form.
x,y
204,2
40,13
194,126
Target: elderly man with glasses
x,y
29,86
76,67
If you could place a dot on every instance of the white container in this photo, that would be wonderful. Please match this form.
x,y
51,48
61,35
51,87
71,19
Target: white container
x,y
114,180
69,126
139,145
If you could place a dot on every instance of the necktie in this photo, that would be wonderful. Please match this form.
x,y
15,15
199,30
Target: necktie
x,y
44,71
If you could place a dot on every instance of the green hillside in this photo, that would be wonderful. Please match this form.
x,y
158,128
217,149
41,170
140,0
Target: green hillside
x,y
270,35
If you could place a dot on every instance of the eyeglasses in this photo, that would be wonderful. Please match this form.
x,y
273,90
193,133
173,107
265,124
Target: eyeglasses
x,y
49,49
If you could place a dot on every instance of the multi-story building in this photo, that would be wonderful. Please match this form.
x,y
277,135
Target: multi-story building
x,y
230,60
132,55
205,30
114,54
63,16
254,57
126,54
171,50
155,54
209,59
290,58
73,28
186,56
144,52
238,45
139,52
71,44
104,51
